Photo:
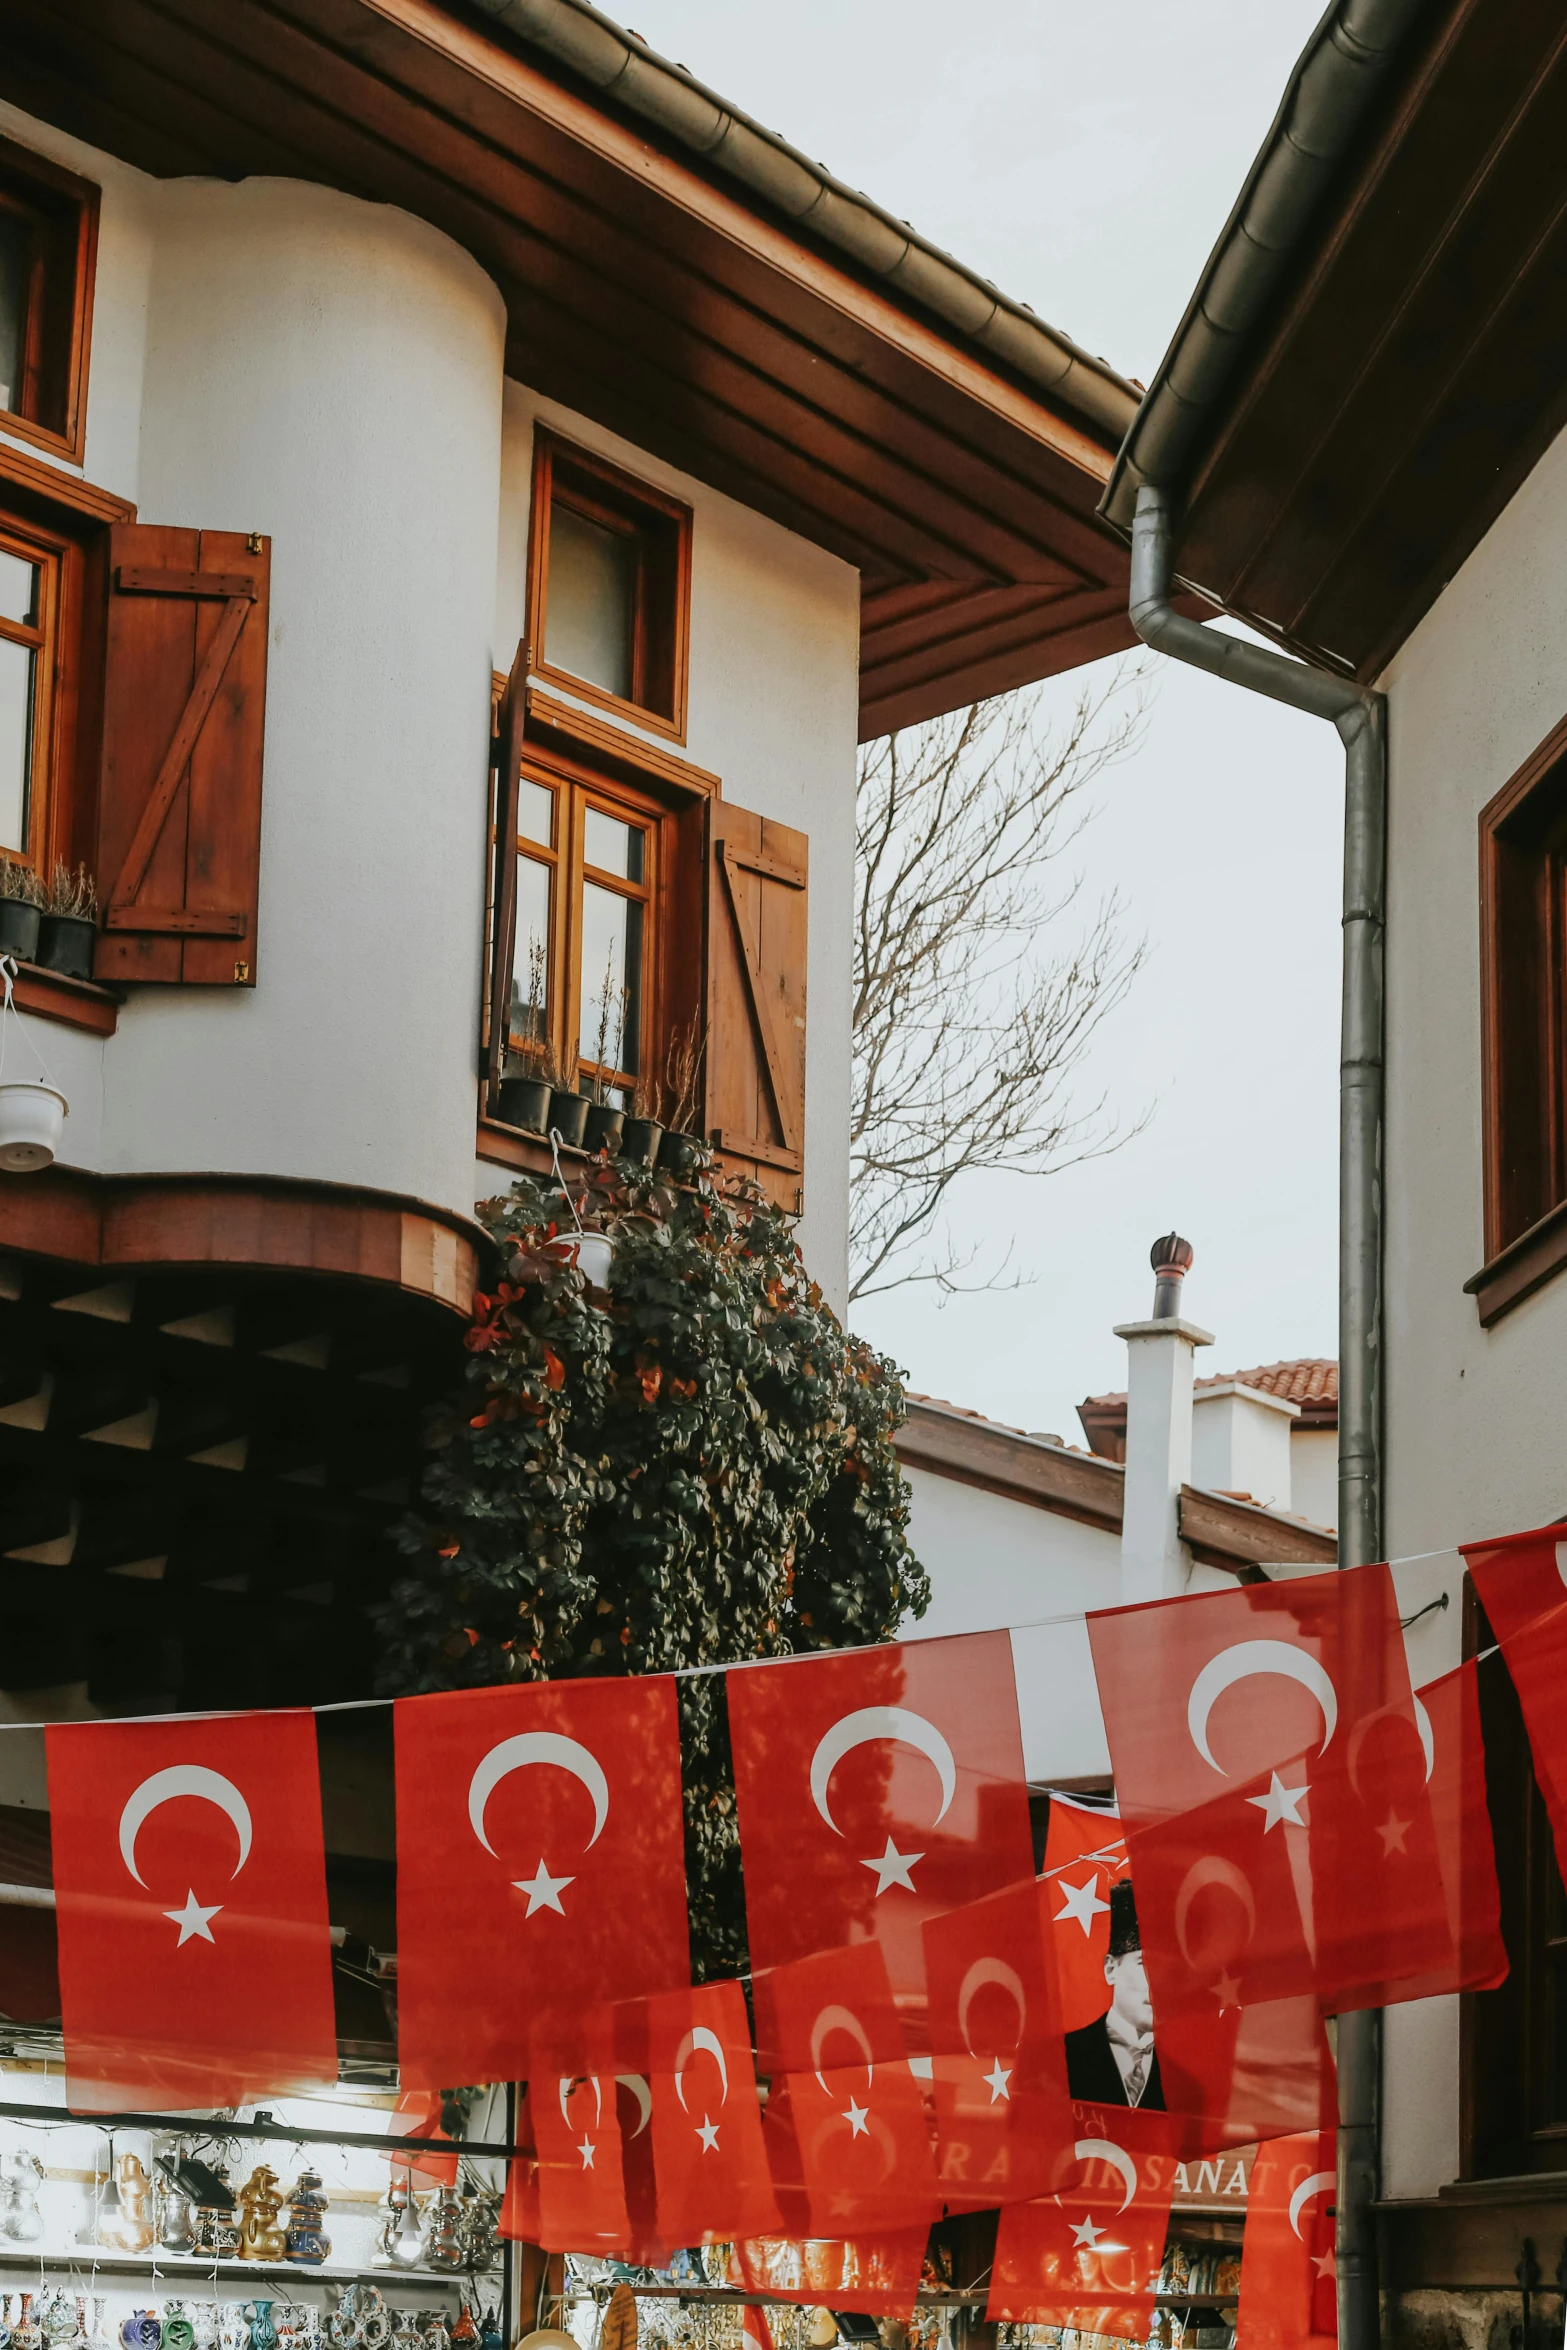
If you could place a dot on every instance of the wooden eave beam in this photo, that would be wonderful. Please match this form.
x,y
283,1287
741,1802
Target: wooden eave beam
x,y
1231,1531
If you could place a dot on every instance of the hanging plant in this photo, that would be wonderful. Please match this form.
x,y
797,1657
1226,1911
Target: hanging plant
x,y
694,1468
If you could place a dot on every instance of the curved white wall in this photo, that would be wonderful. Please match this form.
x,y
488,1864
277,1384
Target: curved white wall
x,y
329,372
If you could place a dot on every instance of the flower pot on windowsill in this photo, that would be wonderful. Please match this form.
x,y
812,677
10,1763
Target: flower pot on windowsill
x,y
639,1140
19,920
603,1129
31,1118
65,944
524,1101
569,1115
682,1154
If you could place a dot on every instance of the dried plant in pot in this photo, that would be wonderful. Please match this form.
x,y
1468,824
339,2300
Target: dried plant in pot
x,y
70,923
605,1118
568,1108
682,1150
21,908
642,1133
523,1095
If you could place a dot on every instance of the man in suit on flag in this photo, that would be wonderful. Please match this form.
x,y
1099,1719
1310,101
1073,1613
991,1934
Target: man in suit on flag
x,y
1112,2061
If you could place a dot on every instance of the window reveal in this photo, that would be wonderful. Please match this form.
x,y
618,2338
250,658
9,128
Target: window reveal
x,y
29,603
48,245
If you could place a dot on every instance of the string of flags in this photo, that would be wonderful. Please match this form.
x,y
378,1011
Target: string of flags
x,y
934,2027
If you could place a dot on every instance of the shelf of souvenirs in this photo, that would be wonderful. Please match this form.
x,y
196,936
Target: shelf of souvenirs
x,y
188,2271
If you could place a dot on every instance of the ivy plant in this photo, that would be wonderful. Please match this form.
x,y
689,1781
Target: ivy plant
x,y
693,1466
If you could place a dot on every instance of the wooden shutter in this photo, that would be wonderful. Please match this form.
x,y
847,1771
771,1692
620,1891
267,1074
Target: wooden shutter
x,y
503,886
179,799
755,1012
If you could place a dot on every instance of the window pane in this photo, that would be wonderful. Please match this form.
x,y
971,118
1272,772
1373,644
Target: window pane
x,y
611,978
16,741
590,599
18,589
15,269
535,813
612,846
530,957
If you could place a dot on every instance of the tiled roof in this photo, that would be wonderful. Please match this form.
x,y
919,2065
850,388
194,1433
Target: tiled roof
x,y
1311,1381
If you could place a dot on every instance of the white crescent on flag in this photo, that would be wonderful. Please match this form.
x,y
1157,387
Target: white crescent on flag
x,y
537,1746
1101,2150
1303,2194
840,2019
701,2036
1005,1978
881,1721
1212,1869
1240,1663
183,1779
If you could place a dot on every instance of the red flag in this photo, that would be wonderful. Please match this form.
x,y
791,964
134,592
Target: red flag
x,y
1088,2255
1237,1722
1085,1854
548,1818
1448,1713
582,2198
878,2275
416,2125
998,2067
1522,1582
1288,2275
755,2332
877,1790
708,2157
190,1887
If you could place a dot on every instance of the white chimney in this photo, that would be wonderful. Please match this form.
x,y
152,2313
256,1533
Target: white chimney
x,y
1154,1560
1241,1443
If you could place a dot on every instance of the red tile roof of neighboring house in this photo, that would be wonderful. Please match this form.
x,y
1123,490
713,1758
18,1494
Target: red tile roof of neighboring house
x,y
1311,1381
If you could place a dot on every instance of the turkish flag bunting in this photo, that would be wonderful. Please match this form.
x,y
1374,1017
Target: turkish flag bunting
x,y
190,1889
1085,1854
1449,1717
582,2197
415,2128
1288,2295
1268,1734
998,2063
875,1791
548,1818
1522,1582
706,2119
876,2274
849,2135
1089,2254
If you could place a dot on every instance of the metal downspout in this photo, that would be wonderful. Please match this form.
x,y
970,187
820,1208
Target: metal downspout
x,y
1360,717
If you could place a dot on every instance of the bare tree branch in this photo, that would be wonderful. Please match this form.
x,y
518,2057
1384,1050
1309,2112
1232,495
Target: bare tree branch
x,y
969,1020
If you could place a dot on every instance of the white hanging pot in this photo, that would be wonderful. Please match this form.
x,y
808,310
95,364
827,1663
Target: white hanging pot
x,y
31,1119
593,1254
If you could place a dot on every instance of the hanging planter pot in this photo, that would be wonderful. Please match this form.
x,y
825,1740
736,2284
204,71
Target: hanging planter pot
x,y
65,944
593,1254
31,1119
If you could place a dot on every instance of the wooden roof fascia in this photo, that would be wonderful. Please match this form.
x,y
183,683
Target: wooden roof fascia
x,y
1244,1530
968,665
1019,1467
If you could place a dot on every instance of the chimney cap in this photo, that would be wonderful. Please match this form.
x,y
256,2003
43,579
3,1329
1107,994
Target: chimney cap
x,y
1171,1255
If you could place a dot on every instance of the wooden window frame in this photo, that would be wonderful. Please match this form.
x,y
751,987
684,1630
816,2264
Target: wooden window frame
x,y
661,525
585,762
1523,1029
61,211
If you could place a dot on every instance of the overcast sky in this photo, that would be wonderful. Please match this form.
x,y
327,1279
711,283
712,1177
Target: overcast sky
x,y
1085,159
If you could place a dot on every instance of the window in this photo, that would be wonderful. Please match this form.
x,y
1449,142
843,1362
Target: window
x,y
48,242
29,609
1523,929
609,576
586,872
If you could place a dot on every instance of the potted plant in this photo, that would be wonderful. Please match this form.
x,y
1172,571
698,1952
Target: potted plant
x,y
70,923
682,1150
21,902
568,1108
606,1118
642,1133
523,1096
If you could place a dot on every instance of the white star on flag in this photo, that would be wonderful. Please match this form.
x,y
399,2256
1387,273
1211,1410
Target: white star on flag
x,y
996,2081
192,1920
856,2118
1392,1832
1086,2234
707,2131
543,1890
587,2150
892,1868
1227,1991
1325,2264
1083,1904
1280,1803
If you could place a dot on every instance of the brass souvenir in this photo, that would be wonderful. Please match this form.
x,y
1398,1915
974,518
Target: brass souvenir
x,y
261,2237
127,2224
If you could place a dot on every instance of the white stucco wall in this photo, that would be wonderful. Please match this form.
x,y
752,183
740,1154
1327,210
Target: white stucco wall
x,y
1473,1416
1314,1474
773,711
